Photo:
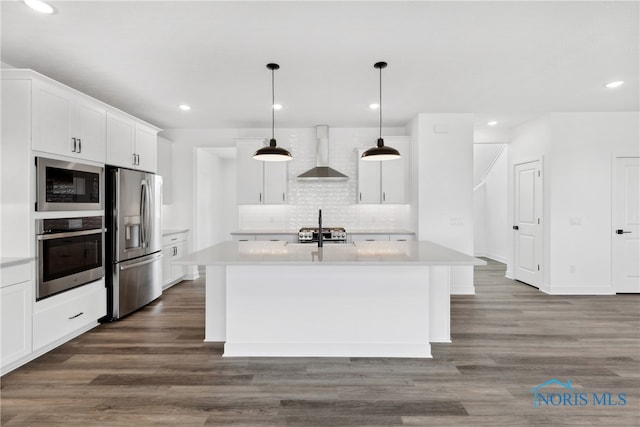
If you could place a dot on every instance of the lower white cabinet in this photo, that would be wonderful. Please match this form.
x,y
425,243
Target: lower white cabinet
x,y
173,247
68,312
16,304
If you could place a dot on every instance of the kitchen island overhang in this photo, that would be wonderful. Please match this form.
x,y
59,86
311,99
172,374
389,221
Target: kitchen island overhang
x,y
370,299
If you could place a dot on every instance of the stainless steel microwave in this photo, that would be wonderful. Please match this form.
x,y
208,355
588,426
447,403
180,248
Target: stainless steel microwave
x,y
68,186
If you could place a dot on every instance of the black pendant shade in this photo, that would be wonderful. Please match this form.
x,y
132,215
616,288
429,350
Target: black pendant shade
x,y
380,151
272,153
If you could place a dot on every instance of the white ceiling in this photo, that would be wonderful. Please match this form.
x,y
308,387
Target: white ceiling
x,y
504,60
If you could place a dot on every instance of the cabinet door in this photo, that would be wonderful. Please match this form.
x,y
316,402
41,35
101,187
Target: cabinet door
x,y
52,120
167,254
394,174
178,271
146,148
89,129
368,181
120,134
249,175
275,183
16,318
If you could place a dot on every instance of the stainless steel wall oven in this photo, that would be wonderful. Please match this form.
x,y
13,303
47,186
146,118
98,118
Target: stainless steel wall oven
x,y
70,253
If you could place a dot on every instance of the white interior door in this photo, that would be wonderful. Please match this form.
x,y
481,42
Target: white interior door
x,y
626,223
528,225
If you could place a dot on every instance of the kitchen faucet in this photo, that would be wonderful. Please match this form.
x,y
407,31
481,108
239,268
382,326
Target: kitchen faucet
x,y
320,228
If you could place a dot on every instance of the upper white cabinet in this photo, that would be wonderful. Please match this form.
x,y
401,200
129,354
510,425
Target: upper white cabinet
x,y
131,144
387,181
258,182
67,123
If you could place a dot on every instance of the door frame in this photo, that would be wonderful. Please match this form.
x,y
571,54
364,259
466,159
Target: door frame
x,y
540,245
614,169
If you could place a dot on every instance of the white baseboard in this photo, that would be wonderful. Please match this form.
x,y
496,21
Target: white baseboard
x,y
191,276
326,349
42,350
463,289
508,274
496,258
578,290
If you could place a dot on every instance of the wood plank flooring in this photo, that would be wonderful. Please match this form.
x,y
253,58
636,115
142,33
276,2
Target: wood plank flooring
x,y
152,368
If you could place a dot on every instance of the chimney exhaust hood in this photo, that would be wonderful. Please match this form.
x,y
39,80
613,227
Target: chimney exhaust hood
x,y
322,171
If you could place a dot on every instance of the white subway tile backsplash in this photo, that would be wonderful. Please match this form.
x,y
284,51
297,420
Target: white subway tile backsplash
x,y
336,199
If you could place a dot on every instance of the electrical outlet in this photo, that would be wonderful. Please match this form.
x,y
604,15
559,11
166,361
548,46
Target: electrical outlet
x,y
456,221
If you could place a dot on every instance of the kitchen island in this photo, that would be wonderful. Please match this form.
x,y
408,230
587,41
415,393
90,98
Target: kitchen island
x,y
368,299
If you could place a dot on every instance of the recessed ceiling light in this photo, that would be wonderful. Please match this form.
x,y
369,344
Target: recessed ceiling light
x,y
612,85
277,106
39,6
492,123
374,106
184,107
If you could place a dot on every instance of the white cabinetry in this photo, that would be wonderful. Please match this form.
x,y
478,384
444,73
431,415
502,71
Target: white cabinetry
x,y
173,247
131,144
387,181
258,182
70,313
16,304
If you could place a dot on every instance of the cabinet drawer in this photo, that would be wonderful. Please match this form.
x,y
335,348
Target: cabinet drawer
x,y
173,239
16,274
65,313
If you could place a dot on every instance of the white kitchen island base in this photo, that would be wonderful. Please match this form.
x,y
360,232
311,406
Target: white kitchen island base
x,y
327,310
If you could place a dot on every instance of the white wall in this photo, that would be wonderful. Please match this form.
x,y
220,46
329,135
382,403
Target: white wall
x,y
578,149
209,194
445,187
339,207
491,228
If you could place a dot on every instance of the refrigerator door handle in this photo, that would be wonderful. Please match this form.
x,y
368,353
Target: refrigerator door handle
x,y
147,214
138,264
143,214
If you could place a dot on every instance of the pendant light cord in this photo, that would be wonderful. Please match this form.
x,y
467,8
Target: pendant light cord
x,y
380,103
273,100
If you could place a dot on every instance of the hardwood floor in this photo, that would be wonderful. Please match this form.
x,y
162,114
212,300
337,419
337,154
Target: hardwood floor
x,y
152,368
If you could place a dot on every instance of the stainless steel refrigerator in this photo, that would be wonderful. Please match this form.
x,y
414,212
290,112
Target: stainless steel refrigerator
x,y
134,240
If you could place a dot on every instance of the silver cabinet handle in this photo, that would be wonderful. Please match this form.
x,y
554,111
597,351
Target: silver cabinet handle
x,y
138,264
361,196
134,159
74,145
384,196
79,145
49,236
283,196
77,315
260,196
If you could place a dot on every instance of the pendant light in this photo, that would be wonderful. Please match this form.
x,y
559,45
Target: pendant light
x,y
272,153
381,151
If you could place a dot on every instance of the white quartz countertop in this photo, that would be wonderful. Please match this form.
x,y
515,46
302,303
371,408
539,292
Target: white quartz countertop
x,y
260,232
360,253
11,261
170,231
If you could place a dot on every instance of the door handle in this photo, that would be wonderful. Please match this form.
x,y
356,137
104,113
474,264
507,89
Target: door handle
x,y
515,227
620,231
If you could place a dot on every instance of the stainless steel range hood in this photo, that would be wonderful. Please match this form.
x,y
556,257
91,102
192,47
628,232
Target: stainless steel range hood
x,y
322,171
